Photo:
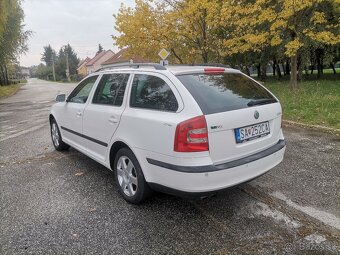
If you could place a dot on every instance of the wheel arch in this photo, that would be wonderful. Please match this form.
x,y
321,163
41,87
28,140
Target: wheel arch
x,y
51,117
115,147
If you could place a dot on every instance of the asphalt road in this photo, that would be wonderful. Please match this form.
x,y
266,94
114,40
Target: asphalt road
x,y
66,203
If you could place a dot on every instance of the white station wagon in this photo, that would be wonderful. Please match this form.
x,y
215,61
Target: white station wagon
x,y
184,130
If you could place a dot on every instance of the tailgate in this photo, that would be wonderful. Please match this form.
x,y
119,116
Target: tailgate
x,y
223,145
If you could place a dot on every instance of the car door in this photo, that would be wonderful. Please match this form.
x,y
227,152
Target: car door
x,y
71,115
102,115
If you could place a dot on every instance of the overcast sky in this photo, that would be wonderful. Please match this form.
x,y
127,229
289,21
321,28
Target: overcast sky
x,y
81,23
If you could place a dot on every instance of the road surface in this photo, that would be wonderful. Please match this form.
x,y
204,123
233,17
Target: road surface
x,y
66,203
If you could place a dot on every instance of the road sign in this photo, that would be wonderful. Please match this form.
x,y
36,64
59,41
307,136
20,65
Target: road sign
x,y
164,62
164,54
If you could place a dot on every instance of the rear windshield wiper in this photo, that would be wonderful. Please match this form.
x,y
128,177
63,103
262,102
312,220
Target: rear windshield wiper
x,y
261,101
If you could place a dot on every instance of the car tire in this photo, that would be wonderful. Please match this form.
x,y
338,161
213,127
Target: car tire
x,y
129,177
57,141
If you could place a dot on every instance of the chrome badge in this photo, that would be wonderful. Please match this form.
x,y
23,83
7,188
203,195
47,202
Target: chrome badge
x,y
256,114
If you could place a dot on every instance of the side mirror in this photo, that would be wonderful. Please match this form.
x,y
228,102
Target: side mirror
x,y
61,98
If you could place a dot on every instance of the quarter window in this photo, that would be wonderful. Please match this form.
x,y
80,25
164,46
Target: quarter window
x,y
111,89
151,92
82,91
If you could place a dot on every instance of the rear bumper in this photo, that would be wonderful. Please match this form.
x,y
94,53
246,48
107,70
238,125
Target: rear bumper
x,y
188,180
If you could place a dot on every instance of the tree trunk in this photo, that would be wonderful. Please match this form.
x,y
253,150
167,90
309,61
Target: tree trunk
x,y
205,57
274,67
293,74
263,72
299,68
6,75
247,71
278,71
2,80
259,70
287,67
333,67
284,69
318,61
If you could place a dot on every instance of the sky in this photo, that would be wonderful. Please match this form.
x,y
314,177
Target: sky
x,y
81,23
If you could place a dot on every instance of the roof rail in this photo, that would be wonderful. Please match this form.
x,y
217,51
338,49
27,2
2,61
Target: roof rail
x,y
133,65
205,64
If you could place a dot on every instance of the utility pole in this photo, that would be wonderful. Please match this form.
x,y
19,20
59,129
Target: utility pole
x,y
53,67
67,67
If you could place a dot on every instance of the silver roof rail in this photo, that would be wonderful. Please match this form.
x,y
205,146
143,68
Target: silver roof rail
x,y
132,65
205,64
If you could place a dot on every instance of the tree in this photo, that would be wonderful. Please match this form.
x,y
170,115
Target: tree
x,y
291,24
66,53
100,48
13,37
48,55
183,27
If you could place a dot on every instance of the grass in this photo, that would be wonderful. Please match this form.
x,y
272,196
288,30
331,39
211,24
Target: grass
x,y
315,102
9,90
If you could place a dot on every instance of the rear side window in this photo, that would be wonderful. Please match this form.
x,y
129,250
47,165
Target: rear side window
x,y
151,92
225,92
111,89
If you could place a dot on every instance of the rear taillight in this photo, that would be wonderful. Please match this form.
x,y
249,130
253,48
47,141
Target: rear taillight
x,y
192,135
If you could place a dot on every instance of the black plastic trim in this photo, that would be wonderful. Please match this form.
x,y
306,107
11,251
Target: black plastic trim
x,y
85,136
193,195
211,168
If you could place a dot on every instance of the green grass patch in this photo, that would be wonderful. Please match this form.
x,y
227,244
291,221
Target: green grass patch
x,y
9,90
315,102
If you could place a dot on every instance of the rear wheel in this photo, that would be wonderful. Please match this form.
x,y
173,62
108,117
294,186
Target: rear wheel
x,y
58,143
129,176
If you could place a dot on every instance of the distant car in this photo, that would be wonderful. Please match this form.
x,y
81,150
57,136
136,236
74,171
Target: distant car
x,y
184,130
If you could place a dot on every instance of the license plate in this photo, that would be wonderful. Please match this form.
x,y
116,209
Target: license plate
x,y
248,133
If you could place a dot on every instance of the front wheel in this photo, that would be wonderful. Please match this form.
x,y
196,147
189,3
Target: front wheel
x,y
58,143
129,177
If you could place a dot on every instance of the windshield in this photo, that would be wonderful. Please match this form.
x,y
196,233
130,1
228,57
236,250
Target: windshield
x,y
225,92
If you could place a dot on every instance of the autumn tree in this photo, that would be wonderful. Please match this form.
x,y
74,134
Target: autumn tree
x,y
183,27
291,24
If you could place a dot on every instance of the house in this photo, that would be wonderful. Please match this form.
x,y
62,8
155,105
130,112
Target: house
x,y
121,57
81,70
96,62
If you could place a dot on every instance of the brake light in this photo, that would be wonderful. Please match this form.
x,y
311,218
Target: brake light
x,y
192,135
214,70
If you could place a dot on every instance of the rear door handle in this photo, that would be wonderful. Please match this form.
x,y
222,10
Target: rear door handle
x,y
113,120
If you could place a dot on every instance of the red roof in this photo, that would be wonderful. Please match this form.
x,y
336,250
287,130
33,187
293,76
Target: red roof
x,y
97,57
120,56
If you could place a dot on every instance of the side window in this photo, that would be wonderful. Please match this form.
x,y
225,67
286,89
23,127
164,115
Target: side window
x,y
82,91
111,89
151,92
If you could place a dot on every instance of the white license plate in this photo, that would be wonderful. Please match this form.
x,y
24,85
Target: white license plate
x,y
248,133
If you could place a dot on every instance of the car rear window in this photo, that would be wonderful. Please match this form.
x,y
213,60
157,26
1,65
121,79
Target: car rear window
x,y
225,92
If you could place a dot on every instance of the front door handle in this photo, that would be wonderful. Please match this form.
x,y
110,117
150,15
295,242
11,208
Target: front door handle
x,y
79,114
